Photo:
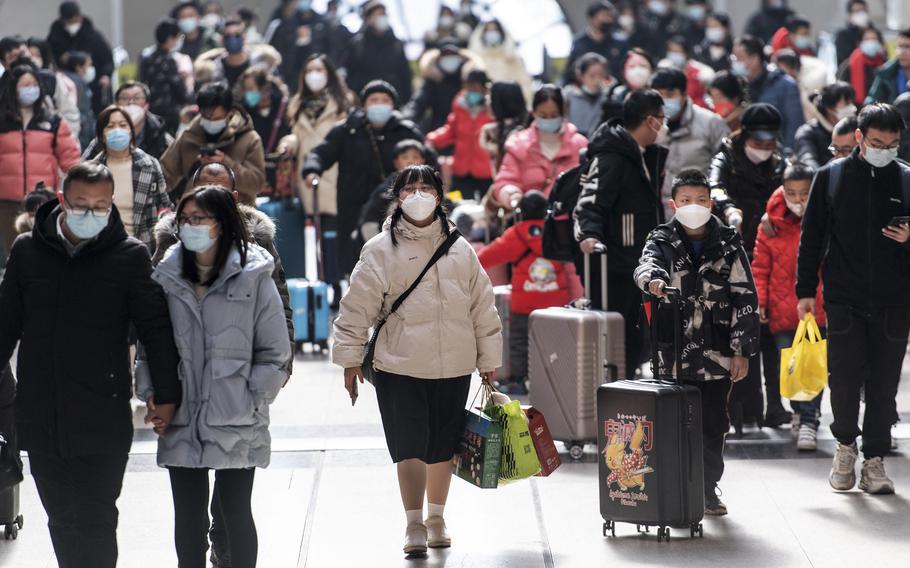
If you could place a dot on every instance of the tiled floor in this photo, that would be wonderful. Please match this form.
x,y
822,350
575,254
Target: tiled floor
x,y
330,500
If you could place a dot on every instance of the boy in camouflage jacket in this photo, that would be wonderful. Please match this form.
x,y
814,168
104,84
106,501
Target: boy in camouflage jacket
x,y
706,261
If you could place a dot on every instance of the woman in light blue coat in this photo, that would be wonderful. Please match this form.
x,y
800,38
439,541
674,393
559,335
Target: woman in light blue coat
x,y
230,329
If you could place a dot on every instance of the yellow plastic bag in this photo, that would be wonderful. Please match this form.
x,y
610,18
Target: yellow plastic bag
x,y
804,365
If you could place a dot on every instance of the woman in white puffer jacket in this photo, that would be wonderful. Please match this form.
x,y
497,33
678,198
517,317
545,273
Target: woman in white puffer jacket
x,y
427,350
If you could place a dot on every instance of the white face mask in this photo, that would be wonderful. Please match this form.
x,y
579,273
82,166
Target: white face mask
x,y
316,80
136,112
627,22
845,112
73,29
860,19
795,208
663,135
757,156
637,77
716,35
419,206
880,158
693,216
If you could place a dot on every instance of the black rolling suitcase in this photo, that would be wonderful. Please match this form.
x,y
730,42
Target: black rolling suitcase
x,y
651,470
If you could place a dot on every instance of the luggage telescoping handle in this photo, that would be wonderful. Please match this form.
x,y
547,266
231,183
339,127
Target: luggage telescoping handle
x,y
674,297
602,251
317,228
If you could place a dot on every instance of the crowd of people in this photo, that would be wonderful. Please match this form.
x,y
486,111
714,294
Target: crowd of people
x,y
763,180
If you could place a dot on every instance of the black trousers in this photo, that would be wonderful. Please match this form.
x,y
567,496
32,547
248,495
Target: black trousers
x,y
715,423
80,497
624,297
190,488
748,392
866,348
518,346
471,187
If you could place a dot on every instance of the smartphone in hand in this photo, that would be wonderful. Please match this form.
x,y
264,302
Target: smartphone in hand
x,y
898,221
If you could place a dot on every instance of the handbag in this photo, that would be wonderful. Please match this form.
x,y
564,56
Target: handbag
x,y
804,365
367,366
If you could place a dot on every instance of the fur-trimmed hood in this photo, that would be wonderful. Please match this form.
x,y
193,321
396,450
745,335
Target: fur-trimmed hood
x,y
431,72
261,227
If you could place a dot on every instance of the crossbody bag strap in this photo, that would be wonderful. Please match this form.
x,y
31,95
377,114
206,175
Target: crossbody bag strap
x,y
440,252
376,153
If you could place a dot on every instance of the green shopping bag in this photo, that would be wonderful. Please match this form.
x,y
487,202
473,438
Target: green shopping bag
x,y
804,365
519,457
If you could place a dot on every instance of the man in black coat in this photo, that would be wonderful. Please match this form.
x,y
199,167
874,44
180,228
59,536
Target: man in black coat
x,y
620,204
847,231
597,37
72,289
296,33
75,32
375,53
363,147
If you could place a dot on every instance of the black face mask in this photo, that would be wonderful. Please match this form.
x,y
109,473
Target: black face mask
x,y
605,27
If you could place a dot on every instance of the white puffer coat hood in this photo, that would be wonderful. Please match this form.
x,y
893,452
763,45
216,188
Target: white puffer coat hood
x,y
446,328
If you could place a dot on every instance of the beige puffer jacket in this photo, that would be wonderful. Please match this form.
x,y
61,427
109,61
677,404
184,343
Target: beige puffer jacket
x,y
446,328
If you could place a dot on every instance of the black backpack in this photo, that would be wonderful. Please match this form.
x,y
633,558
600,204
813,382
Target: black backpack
x,y
558,227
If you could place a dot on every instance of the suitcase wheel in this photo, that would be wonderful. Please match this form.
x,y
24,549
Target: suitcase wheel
x,y
11,532
20,520
696,530
611,527
643,528
663,533
576,450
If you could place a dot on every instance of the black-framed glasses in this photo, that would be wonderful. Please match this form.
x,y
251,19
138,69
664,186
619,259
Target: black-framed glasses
x,y
427,189
894,146
83,211
194,220
840,150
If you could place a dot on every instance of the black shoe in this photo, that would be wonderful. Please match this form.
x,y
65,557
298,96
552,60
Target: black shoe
x,y
714,507
777,417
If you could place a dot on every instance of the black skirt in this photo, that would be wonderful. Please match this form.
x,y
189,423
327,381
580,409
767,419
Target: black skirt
x,y
422,418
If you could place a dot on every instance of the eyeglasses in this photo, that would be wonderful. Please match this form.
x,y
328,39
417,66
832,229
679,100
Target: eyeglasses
x,y
894,146
427,189
840,150
194,220
83,211
662,117
134,100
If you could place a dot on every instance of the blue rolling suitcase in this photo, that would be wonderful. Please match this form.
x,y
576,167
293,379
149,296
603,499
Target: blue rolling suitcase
x,y
290,219
651,469
310,304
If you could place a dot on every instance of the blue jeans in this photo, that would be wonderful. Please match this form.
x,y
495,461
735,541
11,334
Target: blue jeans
x,y
810,411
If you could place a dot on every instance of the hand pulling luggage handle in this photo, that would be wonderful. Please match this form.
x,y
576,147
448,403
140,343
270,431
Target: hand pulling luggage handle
x,y
602,251
674,296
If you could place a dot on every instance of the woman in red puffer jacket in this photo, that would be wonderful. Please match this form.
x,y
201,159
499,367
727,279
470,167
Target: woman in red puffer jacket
x,y
471,168
774,269
35,146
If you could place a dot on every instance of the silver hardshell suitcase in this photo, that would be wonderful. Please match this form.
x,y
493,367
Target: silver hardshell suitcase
x,y
503,300
572,351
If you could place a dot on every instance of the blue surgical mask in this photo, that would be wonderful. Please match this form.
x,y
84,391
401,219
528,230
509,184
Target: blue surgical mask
x,y
739,69
304,5
213,127
252,98
233,44
672,107
196,238
473,98
548,125
378,115
118,139
29,95
86,226
870,47
802,42
188,25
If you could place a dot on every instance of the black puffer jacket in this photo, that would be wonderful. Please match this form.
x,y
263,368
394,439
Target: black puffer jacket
x,y
372,55
359,171
812,141
738,183
89,40
619,205
860,266
71,317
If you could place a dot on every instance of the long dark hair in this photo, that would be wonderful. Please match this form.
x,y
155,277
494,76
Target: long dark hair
x,y
414,174
219,203
507,101
335,87
545,93
9,98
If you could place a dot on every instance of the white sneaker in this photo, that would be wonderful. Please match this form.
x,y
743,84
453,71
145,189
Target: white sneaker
x,y
843,470
415,539
873,479
438,536
807,440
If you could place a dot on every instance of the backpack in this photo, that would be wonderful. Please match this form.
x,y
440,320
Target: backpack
x,y
558,226
836,175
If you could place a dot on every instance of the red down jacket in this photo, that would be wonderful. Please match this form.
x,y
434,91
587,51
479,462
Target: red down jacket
x,y
39,153
536,282
774,268
463,130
